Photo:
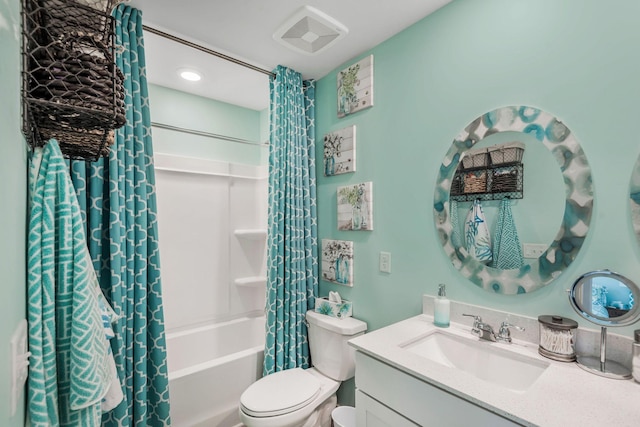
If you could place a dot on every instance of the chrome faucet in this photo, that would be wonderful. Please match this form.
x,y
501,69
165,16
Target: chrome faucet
x,y
484,331
504,333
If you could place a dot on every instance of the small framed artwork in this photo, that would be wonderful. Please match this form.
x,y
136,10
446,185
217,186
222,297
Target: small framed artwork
x,y
337,261
340,151
355,87
355,207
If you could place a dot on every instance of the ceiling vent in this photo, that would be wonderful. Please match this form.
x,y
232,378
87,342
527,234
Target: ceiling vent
x,y
310,31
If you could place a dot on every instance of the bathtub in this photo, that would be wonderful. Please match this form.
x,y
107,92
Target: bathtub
x,y
210,367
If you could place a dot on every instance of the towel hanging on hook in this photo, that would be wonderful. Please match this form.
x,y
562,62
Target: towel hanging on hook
x,y
456,239
507,251
477,234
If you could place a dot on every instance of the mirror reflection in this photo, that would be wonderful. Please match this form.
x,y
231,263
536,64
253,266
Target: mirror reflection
x,y
538,214
606,299
604,295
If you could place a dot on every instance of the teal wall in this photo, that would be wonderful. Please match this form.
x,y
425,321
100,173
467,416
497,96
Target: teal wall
x,y
577,59
13,208
184,110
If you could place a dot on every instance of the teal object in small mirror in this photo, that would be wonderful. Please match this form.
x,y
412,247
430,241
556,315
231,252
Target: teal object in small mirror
x,y
576,173
634,199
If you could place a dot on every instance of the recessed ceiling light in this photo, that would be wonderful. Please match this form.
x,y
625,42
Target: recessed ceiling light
x,y
190,75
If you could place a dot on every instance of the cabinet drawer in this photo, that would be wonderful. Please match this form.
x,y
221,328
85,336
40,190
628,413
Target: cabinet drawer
x,y
419,401
371,413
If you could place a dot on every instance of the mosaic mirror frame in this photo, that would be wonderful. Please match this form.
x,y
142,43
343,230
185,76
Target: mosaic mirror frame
x,y
576,173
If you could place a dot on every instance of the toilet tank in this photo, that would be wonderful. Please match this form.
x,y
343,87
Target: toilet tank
x,y
330,352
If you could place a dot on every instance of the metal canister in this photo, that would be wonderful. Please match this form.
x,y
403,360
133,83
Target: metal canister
x,y
557,338
635,359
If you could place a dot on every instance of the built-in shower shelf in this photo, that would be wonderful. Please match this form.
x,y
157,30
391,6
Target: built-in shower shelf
x,y
252,282
251,233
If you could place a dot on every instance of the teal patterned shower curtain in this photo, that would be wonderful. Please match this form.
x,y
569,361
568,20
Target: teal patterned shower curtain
x,y
118,200
292,252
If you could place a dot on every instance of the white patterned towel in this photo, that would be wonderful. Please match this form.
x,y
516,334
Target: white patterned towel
x,y
477,234
114,395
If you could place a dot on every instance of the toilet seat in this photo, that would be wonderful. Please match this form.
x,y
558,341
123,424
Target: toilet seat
x,y
280,393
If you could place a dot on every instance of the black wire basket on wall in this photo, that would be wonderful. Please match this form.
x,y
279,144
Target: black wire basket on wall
x,y
72,90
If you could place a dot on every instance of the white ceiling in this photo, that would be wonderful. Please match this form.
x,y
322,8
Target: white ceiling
x,y
243,29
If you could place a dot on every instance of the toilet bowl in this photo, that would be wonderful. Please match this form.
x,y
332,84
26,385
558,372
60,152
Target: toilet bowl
x,y
305,397
291,398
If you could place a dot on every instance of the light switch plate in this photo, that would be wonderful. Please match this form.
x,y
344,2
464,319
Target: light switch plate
x,y
385,262
19,363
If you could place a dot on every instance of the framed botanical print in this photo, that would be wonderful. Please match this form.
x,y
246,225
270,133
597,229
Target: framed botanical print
x,y
355,207
355,87
340,151
337,261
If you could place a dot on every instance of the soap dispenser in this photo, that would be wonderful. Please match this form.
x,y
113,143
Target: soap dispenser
x,y
441,308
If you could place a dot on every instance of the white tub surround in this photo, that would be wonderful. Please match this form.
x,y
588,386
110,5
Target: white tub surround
x,y
564,395
212,220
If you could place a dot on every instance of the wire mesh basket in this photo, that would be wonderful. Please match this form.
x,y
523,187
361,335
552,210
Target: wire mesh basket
x,y
457,184
506,153
79,142
475,182
104,6
72,89
505,181
84,17
475,158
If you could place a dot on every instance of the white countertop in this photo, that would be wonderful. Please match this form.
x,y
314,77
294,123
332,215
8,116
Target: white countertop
x,y
565,395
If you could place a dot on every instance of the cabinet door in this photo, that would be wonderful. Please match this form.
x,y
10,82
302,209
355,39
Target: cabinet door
x,y
425,404
371,413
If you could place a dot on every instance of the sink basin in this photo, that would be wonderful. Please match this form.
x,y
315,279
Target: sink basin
x,y
481,359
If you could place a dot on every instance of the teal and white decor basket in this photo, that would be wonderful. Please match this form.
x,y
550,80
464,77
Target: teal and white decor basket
x,y
334,309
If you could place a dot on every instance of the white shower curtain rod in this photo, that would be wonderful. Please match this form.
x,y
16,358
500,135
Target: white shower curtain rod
x,y
206,50
207,134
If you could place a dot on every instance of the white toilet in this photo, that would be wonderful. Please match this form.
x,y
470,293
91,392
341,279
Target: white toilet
x,y
305,398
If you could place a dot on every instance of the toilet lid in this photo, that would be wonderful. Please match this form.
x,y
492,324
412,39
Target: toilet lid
x,y
280,393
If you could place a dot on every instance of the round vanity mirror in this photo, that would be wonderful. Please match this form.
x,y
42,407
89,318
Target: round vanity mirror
x,y
538,127
606,299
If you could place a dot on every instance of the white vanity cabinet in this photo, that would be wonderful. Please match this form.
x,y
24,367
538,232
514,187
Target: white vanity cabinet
x,y
371,413
413,373
389,397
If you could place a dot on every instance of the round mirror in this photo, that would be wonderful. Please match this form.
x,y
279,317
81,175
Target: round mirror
x,y
605,298
578,202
